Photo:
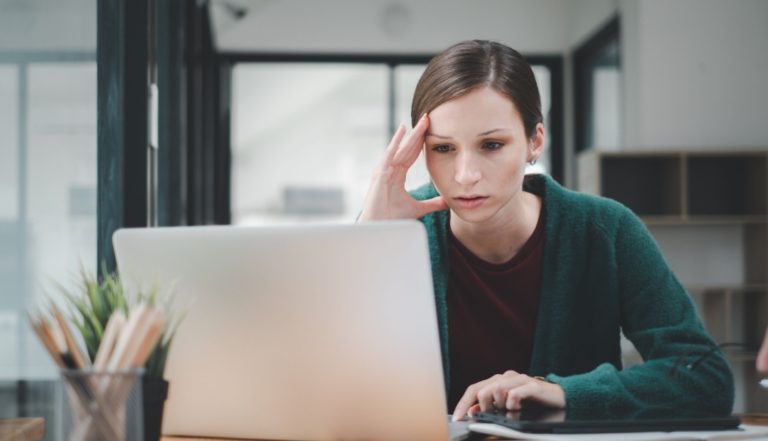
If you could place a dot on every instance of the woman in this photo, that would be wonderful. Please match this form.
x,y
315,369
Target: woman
x,y
534,282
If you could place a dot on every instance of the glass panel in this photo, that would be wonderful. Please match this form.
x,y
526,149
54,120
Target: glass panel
x,y
9,142
61,183
406,78
306,137
544,83
604,131
607,101
10,245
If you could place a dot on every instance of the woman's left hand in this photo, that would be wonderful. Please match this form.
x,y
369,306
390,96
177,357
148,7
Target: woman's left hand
x,y
507,391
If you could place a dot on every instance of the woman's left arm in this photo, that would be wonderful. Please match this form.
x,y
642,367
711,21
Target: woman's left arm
x,y
660,319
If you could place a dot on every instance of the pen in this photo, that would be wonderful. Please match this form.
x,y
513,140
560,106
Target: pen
x,y
109,339
79,360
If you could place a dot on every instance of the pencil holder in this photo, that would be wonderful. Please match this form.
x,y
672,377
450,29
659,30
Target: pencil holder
x,y
102,405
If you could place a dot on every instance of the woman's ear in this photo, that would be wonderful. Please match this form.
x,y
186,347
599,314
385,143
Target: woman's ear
x,y
537,143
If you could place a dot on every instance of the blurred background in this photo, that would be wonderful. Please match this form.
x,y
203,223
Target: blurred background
x,y
250,112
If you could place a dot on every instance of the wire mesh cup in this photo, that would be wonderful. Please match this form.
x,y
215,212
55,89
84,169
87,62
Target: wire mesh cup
x,y
103,405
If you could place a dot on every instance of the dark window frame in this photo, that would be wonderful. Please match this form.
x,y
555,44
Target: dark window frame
x,y
123,120
585,59
193,119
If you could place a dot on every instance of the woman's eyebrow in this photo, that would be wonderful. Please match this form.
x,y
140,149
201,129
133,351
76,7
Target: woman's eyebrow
x,y
438,136
488,132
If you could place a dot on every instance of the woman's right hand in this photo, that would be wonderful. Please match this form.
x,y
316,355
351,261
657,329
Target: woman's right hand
x,y
387,198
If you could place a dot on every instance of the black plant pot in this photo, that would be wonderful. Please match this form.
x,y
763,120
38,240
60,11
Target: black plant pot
x,y
154,392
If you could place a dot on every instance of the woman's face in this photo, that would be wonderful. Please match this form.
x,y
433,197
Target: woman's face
x,y
476,151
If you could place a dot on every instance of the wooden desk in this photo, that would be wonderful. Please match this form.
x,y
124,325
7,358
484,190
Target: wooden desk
x,y
22,429
176,438
180,438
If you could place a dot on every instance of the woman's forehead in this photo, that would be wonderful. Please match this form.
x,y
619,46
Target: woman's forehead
x,y
480,110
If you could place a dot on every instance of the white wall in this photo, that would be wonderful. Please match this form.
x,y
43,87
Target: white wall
x,y
695,73
587,16
391,26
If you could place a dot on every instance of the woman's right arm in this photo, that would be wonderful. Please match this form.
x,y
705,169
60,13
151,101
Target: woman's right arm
x,y
387,197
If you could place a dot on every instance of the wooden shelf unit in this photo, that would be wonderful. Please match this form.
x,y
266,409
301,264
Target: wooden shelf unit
x,y
703,193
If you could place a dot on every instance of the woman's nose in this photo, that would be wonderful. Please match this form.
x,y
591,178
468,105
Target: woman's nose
x,y
467,171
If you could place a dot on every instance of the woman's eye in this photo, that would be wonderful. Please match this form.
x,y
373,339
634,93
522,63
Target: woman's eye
x,y
441,148
492,145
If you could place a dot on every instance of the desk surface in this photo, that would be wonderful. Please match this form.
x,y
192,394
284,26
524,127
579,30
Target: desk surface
x,y
176,438
183,438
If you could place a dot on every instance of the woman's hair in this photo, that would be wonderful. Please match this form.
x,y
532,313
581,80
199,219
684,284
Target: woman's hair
x,y
470,64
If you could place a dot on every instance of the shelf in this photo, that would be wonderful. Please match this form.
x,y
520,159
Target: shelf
x,y
647,185
716,185
726,184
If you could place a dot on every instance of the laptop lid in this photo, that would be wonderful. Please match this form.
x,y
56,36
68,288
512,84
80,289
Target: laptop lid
x,y
305,332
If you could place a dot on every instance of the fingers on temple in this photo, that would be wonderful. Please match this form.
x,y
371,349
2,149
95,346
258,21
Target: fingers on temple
x,y
410,149
394,143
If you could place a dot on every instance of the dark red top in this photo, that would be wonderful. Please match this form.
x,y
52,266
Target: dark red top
x,y
492,312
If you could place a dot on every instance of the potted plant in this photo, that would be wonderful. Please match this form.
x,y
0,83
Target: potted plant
x,y
91,306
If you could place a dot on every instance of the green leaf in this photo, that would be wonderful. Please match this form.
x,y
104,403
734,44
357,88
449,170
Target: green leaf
x,y
92,303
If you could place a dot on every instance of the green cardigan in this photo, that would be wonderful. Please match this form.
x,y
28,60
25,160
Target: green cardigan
x,y
603,273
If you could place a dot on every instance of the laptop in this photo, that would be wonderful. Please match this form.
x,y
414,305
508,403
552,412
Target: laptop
x,y
575,421
321,332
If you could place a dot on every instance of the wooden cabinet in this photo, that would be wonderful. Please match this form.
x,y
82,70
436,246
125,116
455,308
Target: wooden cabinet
x,y
708,211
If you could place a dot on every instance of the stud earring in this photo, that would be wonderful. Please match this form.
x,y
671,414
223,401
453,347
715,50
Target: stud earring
x,y
532,161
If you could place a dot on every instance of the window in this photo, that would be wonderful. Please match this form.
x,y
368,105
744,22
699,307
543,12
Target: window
x,y
304,139
61,175
605,128
9,148
47,197
306,136
406,77
10,245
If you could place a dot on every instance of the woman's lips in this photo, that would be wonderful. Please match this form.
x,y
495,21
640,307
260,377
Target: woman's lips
x,y
470,201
